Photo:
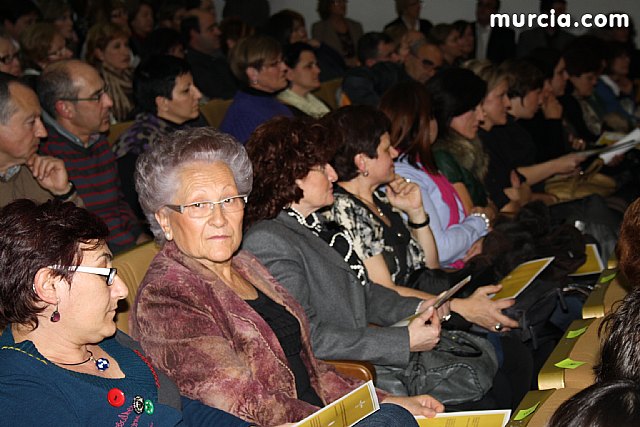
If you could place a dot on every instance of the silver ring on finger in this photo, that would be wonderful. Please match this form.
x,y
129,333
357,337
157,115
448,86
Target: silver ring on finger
x,y
498,327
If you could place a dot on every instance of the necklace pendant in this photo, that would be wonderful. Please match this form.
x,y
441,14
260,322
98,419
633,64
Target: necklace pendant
x,y
102,364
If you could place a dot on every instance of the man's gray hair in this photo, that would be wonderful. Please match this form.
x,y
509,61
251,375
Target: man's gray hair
x,y
158,168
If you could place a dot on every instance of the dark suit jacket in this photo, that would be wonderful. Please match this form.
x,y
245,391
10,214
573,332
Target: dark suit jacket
x,y
338,306
425,26
212,75
538,37
501,46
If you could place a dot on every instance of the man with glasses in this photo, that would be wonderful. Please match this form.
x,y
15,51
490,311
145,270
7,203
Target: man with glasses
x,y
209,66
424,60
76,112
23,173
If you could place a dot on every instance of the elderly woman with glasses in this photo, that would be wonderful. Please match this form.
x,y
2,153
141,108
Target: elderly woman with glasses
x,y
212,317
59,343
42,44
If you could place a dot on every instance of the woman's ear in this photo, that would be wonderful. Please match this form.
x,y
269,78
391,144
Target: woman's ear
x,y
252,74
162,103
360,161
45,285
99,53
163,219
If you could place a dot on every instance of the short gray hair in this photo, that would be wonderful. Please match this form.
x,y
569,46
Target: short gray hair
x,y
157,169
55,83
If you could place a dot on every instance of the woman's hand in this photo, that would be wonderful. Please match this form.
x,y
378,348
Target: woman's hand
x,y
551,107
405,195
518,192
483,311
424,331
475,249
423,404
568,163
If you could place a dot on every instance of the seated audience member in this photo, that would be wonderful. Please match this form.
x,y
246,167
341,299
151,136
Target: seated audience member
x,y
457,105
493,43
581,112
140,18
170,14
546,126
509,146
211,72
337,31
59,341
409,17
212,317
16,16
60,14
303,76
254,12
467,38
76,112
317,259
628,248
41,45
448,39
393,250
377,72
103,11
548,36
231,31
164,41
108,51
413,130
424,60
166,99
24,173
288,27
615,92
9,56
606,404
257,64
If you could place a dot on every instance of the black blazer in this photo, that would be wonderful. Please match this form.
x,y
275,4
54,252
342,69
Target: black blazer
x,y
501,46
425,26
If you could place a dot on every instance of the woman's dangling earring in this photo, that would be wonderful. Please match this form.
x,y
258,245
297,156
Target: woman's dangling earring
x,y
55,316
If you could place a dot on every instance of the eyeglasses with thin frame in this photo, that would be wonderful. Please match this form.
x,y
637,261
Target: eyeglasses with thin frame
x,y
204,208
8,58
108,272
95,98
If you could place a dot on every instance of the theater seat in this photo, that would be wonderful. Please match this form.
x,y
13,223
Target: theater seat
x,y
611,287
214,111
133,264
581,348
537,407
116,130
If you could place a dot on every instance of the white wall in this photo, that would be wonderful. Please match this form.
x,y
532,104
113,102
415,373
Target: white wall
x,y
374,14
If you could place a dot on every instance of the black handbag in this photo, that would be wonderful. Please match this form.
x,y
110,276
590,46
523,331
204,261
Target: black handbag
x,y
459,369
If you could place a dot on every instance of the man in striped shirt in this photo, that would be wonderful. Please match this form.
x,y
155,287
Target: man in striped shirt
x,y
76,113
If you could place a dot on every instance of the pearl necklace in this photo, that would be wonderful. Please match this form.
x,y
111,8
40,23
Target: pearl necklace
x,y
315,226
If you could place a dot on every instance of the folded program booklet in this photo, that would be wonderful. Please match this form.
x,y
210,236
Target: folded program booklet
x,y
498,418
517,281
593,264
347,410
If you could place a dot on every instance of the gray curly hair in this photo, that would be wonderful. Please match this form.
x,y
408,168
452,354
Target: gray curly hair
x,y
158,168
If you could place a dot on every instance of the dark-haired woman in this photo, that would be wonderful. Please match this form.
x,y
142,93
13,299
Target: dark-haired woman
x,y
166,99
303,76
288,27
59,343
413,131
